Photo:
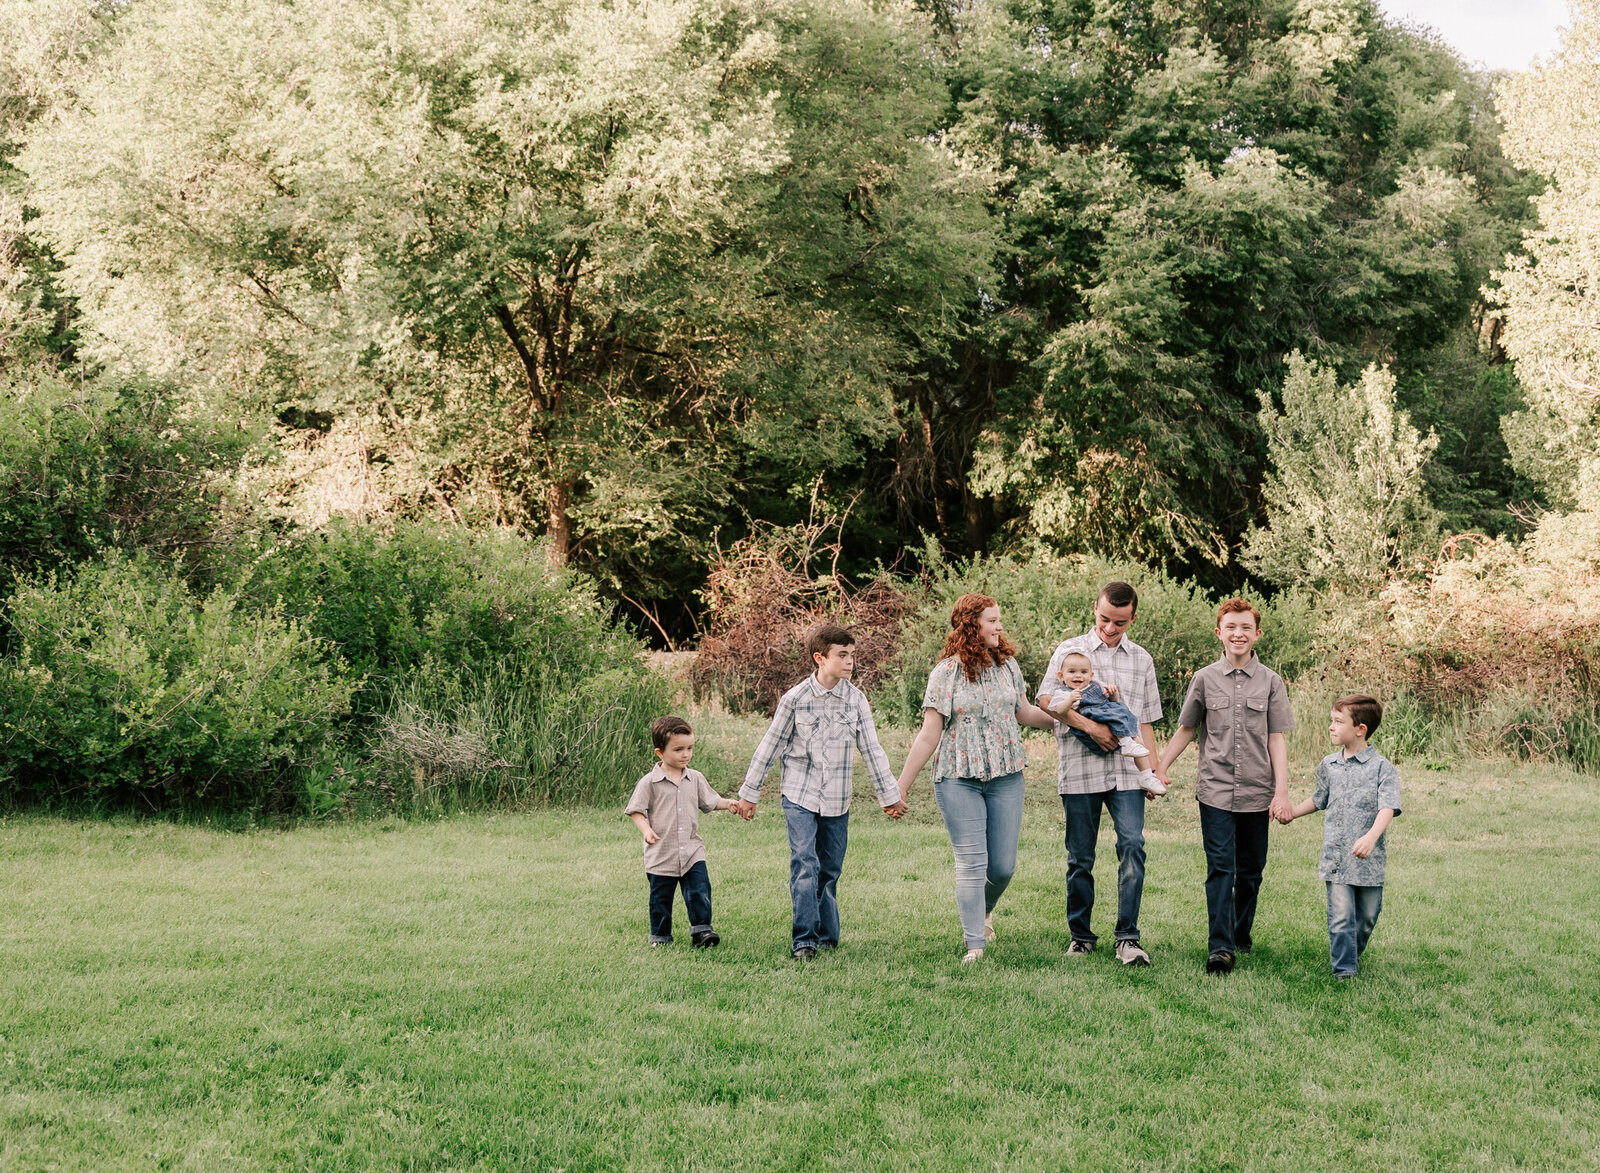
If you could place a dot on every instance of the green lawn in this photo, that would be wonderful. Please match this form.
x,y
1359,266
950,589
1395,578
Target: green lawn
x,y
476,993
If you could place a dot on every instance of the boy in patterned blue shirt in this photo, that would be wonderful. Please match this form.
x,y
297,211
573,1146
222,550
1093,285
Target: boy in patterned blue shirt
x,y
1360,790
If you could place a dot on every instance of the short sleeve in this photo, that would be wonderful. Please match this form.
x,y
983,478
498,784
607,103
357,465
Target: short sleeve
x,y
710,800
1388,786
1193,713
1320,798
639,801
1152,690
1019,680
1051,680
1280,713
940,693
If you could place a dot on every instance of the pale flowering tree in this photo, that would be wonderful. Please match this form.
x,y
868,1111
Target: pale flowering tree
x,y
1345,499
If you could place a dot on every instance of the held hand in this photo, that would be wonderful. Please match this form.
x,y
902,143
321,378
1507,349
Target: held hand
x,y
896,809
1363,848
746,810
650,835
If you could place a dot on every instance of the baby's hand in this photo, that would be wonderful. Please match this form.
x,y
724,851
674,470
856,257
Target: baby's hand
x,y
650,835
1111,692
1074,697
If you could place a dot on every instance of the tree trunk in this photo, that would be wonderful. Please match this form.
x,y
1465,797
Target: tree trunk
x,y
558,525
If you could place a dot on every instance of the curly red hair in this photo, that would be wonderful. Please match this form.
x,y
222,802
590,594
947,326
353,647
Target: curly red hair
x,y
966,641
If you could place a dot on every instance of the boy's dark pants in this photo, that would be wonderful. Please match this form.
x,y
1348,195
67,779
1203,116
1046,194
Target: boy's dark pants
x,y
1083,831
1352,914
816,857
696,899
1236,855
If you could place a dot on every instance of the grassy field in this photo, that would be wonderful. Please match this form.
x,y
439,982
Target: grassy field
x,y
476,993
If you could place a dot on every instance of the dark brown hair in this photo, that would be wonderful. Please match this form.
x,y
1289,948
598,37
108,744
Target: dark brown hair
x,y
1237,606
666,728
827,637
1362,709
1120,594
965,640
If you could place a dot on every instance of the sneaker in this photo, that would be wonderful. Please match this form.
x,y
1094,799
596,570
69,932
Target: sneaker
x,y
705,940
1149,781
988,927
804,953
1343,977
1221,962
1129,953
1131,747
659,944
972,955
1079,948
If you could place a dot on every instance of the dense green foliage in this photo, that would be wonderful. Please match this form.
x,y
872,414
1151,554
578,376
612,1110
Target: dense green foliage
x,y
636,280
122,685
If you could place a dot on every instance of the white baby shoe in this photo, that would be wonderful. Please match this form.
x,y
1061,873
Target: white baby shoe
x,y
1149,781
1131,748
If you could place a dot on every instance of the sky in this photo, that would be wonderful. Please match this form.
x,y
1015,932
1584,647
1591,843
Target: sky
x,y
1502,34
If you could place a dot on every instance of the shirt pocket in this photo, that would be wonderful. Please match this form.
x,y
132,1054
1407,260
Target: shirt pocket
x,y
1219,714
1255,713
806,727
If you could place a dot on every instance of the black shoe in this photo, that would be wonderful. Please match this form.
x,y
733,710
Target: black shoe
x,y
1221,962
705,940
1245,948
804,953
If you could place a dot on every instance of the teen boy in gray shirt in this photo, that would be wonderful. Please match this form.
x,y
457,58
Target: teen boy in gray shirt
x,y
1238,708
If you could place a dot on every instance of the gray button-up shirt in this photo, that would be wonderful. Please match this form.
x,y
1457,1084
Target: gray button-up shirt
x,y
673,811
1353,790
816,732
1079,770
1233,710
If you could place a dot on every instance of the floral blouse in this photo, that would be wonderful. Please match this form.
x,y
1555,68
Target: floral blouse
x,y
981,738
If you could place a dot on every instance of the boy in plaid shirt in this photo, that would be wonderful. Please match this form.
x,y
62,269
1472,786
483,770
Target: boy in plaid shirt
x,y
818,726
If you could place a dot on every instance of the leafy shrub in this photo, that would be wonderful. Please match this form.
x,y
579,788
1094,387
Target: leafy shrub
x,y
489,676
1044,599
122,684
86,468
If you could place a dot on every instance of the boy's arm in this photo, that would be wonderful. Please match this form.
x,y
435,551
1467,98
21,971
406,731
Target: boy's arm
x,y
878,768
1318,800
1180,742
1295,812
772,745
1278,751
644,827
1364,846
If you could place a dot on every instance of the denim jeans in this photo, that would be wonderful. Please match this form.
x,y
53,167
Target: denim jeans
x,y
1352,914
816,857
696,884
1083,829
984,818
1236,855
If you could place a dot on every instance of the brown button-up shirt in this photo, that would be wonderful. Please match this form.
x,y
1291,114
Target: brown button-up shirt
x,y
673,812
1232,711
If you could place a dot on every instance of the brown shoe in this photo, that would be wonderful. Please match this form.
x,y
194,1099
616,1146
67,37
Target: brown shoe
x,y
1080,948
1129,953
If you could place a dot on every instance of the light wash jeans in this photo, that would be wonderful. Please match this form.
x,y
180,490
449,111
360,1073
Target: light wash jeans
x,y
1352,915
984,819
816,858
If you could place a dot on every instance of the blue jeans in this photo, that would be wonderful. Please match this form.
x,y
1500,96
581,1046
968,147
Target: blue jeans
x,y
1236,857
1083,829
816,857
984,818
696,884
1114,715
1352,914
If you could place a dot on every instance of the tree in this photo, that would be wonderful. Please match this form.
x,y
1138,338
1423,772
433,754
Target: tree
x,y
562,251
1345,500
1550,296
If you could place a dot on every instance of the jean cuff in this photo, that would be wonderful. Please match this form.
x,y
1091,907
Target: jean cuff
x,y
696,930
655,940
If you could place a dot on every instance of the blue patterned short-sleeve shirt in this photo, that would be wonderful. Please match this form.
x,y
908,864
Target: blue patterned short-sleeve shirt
x,y
1352,790
981,738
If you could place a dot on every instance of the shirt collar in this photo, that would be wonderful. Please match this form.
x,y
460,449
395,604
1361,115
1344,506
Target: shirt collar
x,y
1098,643
1363,757
817,689
1249,669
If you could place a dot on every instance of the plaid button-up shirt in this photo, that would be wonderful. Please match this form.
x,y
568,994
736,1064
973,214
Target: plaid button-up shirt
x,y
1079,770
815,733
